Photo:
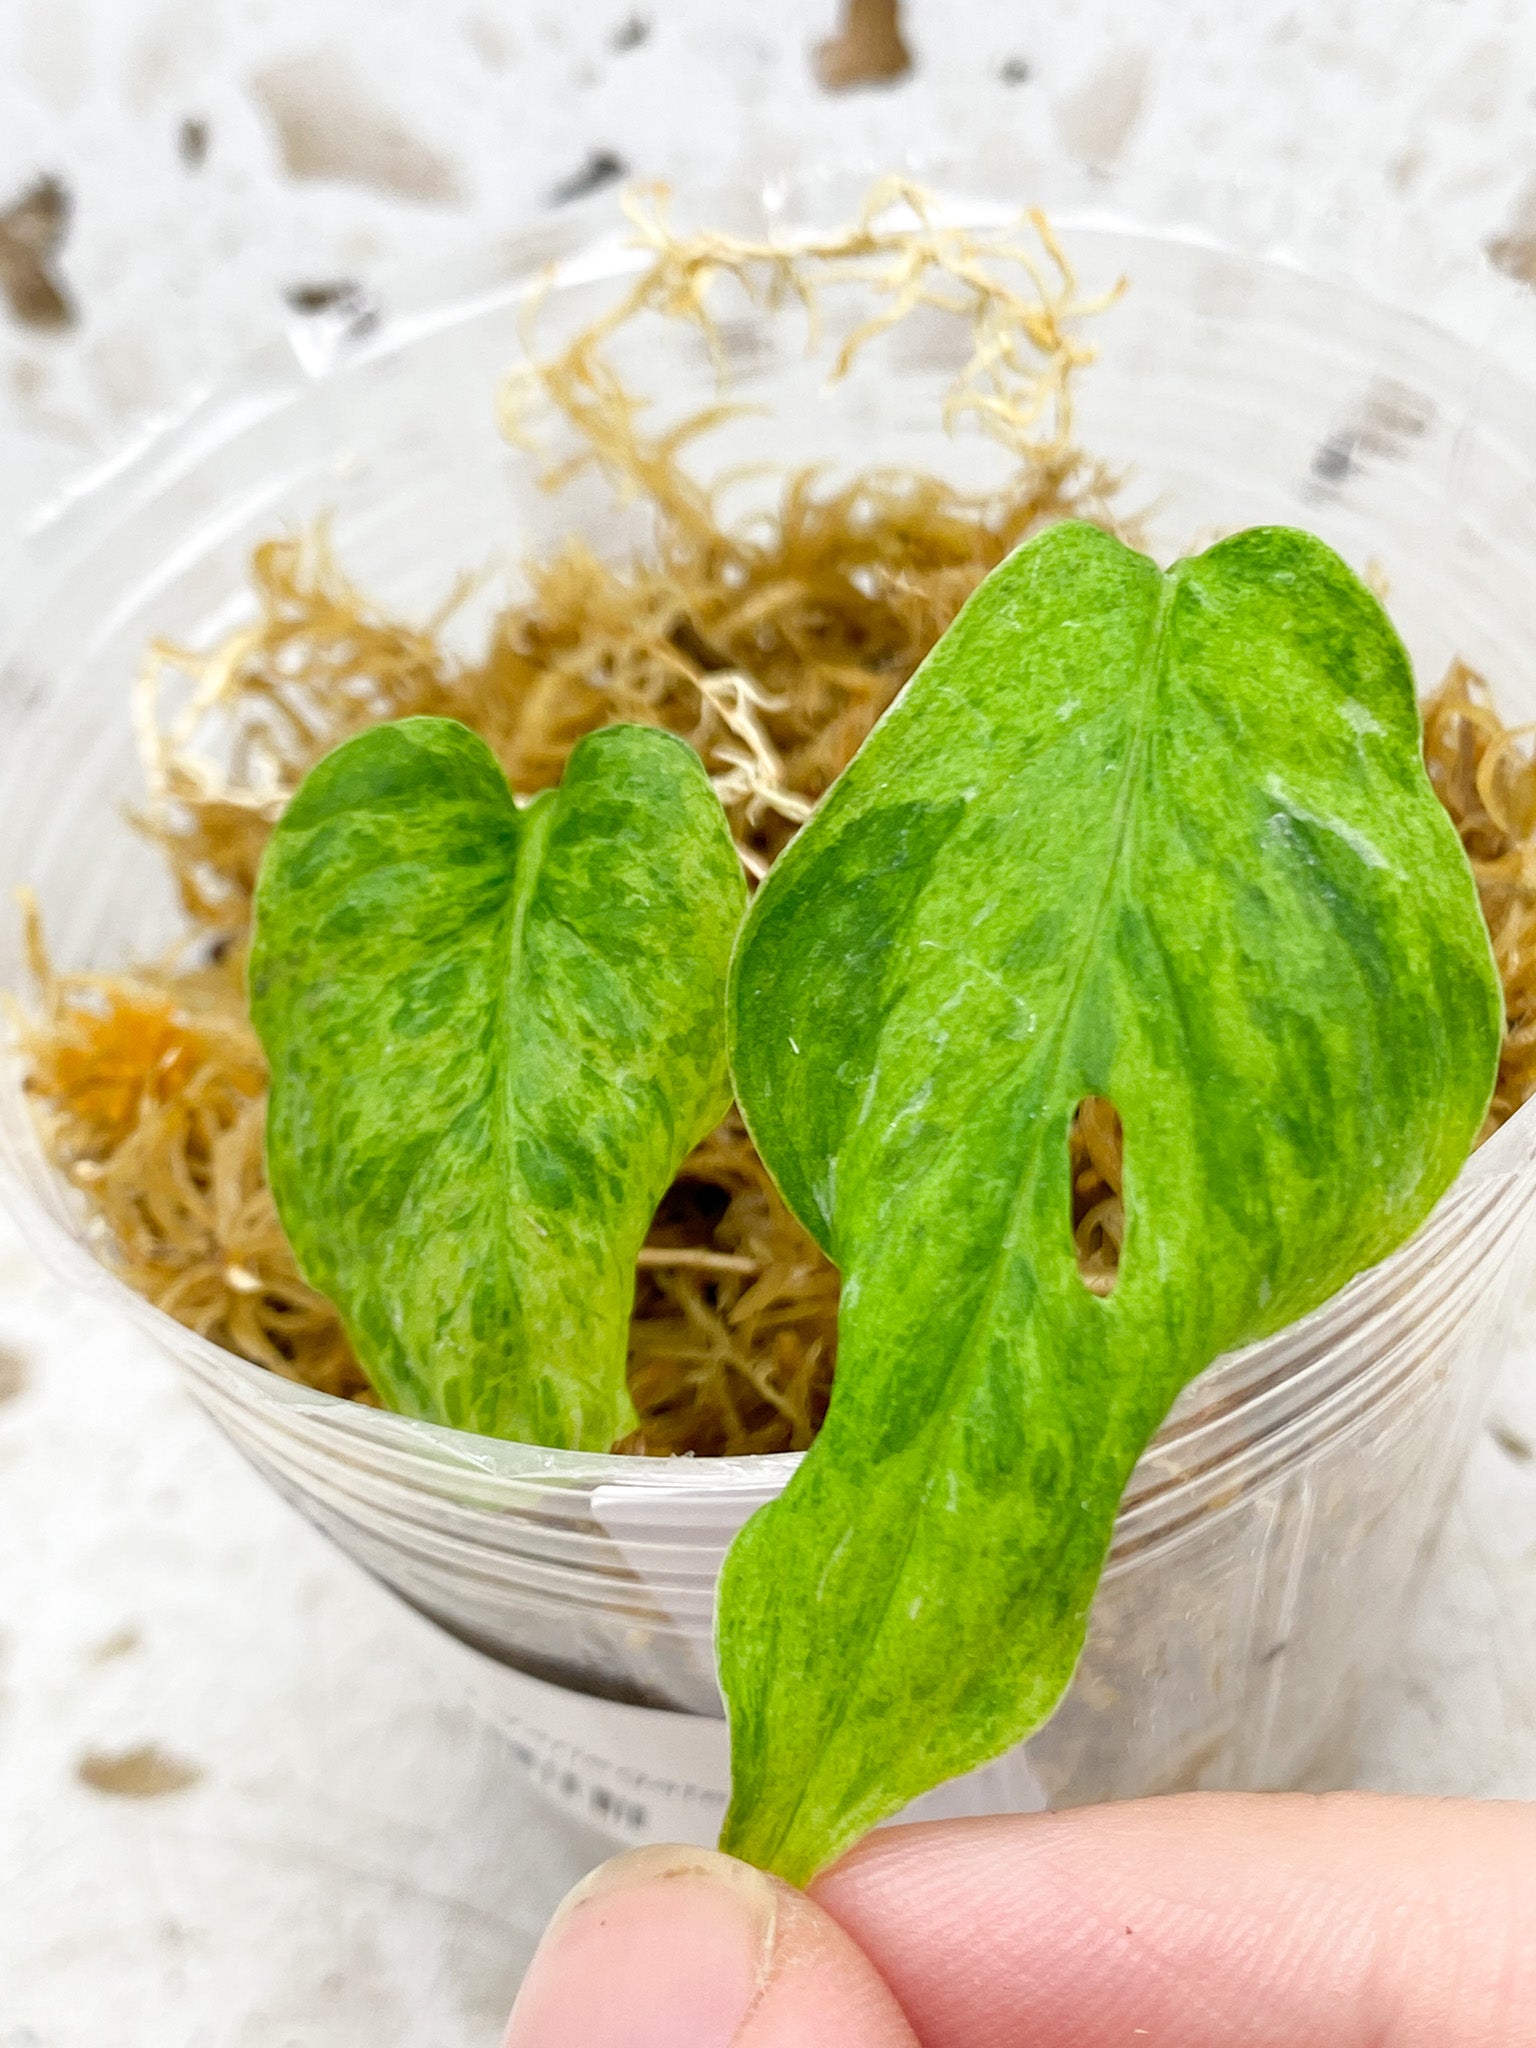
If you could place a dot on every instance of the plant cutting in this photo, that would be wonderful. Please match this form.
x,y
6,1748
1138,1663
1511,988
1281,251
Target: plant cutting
x,y
772,648
1160,840
1164,840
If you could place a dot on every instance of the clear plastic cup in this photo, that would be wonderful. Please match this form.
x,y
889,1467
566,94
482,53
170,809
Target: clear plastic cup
x,y
1272,1535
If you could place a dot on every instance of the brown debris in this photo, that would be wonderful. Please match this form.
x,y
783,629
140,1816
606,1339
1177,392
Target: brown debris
x,y
121,1643
328,124
32,232
1514,251
1515,255
192,138
15,1372
332,295
868,48
146,1772
1514,1446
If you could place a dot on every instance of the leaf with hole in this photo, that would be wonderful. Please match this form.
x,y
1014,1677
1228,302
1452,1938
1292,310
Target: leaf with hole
x,y
1160,838
493,1033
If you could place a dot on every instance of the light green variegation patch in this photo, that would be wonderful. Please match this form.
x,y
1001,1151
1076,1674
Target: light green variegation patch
x,y
1163,838
493,1033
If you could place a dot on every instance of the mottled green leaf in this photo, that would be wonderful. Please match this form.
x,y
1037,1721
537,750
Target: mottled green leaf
x,y
493,1035
1164,838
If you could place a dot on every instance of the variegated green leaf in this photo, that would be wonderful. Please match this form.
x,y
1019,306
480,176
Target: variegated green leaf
x,y
1162,838
493,1035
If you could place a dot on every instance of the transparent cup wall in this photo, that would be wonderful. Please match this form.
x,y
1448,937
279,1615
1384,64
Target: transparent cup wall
x,y
1272,1534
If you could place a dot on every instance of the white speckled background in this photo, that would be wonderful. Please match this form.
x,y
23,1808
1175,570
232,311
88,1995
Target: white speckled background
x,y
356,1862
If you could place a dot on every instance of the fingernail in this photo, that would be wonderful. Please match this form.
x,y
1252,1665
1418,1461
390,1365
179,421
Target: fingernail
x,y
662,1948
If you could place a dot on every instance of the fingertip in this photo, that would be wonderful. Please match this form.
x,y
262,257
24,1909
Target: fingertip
x,y
660,1948
822,1988
686,1948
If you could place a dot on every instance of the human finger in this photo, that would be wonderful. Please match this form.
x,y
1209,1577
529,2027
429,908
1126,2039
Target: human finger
x,y
684,1948
1349,1921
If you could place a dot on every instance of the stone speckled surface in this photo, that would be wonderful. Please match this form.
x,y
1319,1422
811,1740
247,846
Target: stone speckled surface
x,y
354,1860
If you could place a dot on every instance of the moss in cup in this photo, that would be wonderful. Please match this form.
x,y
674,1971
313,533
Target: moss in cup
x,y
1034,1258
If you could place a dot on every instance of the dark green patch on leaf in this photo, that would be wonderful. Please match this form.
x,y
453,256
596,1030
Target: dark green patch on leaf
x,y
1161,838
494,1033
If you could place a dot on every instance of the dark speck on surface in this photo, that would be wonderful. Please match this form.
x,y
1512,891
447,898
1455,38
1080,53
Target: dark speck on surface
x,y
22,687
1514,251
1387,419
1515,255
121,1643
1333,459
1013,71
327,124
32,231
1511,1442
602,167
630,33
340,297
13,1372
868,48
192,143
335,295
335,312
147,1772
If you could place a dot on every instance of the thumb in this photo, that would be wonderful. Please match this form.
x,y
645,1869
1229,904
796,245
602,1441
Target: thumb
x,y
684,1948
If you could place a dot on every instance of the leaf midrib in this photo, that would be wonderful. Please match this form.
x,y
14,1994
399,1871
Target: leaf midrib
x,y
1122,823
536,822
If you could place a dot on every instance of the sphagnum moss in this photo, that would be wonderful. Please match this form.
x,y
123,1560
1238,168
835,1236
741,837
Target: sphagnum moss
x,y
772,648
